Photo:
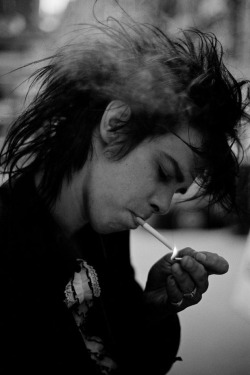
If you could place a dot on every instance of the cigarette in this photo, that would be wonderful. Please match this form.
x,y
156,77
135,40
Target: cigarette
x,y
157,235
154,232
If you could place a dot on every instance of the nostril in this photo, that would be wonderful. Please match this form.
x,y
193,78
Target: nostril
x,y
156,209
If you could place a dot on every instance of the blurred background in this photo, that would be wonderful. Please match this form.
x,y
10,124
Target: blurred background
x,y
216,333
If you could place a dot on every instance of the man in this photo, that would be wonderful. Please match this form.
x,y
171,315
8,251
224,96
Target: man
x,y
123,120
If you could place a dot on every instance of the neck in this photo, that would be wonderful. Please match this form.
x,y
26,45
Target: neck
x,y
67,210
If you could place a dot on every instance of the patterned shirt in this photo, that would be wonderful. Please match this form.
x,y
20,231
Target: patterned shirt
x,y
79,293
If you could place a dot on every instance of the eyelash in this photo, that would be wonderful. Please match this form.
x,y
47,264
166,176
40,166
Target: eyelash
x,y
166,178
162,174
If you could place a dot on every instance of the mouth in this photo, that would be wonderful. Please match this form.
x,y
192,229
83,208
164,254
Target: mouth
x,y
135,222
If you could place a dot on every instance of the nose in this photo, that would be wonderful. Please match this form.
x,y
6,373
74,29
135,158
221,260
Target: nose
x,y
161,202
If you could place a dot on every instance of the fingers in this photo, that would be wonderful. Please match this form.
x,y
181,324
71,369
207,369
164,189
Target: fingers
x,y
214,263
188,282
190,274
186,251
180,284
177,299
183,279
174,293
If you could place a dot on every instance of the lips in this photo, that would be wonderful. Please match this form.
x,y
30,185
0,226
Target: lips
x,y
134,216
135,224
144,217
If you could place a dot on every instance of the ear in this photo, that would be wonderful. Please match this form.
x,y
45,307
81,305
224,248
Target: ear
x,y
115,113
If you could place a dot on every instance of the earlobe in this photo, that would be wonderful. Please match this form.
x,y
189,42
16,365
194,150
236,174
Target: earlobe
x,y
117,112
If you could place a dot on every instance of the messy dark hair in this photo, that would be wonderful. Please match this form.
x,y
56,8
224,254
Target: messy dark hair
x,y
167,81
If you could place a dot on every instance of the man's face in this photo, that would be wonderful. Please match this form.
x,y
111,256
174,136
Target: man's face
x,y
140,184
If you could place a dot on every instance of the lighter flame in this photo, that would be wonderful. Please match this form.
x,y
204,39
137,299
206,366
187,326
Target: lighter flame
x,y
175,252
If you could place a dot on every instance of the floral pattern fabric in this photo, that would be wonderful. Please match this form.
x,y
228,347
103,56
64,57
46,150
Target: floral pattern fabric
x,y
79,293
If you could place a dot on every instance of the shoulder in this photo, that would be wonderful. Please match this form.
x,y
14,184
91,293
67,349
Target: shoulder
x,y
24,220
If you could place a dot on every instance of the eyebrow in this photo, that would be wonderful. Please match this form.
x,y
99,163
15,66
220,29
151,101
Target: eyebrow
x,y
178,173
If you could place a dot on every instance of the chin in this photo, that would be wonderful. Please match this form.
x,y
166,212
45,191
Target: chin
x,y
107,229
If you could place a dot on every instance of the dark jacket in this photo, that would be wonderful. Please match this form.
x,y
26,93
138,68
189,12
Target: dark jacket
x,y
38,332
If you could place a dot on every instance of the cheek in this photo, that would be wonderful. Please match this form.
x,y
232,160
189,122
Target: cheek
x,y
105,190
118,183
116,179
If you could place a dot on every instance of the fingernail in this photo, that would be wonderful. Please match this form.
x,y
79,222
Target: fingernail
x,y
200,257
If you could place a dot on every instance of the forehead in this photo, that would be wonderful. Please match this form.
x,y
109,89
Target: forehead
x,y
187,136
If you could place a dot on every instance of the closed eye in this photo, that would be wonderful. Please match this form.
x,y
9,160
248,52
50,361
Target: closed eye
x,y
162,174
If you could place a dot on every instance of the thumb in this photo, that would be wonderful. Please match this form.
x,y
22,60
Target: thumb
x,y
214,263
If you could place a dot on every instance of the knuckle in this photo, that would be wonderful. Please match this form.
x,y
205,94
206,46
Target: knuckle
x,y
202,278
188,262
187,251
191,265
205,286
199,298
177,271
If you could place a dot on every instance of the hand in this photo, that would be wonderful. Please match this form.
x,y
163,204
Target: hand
x,y
170,283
